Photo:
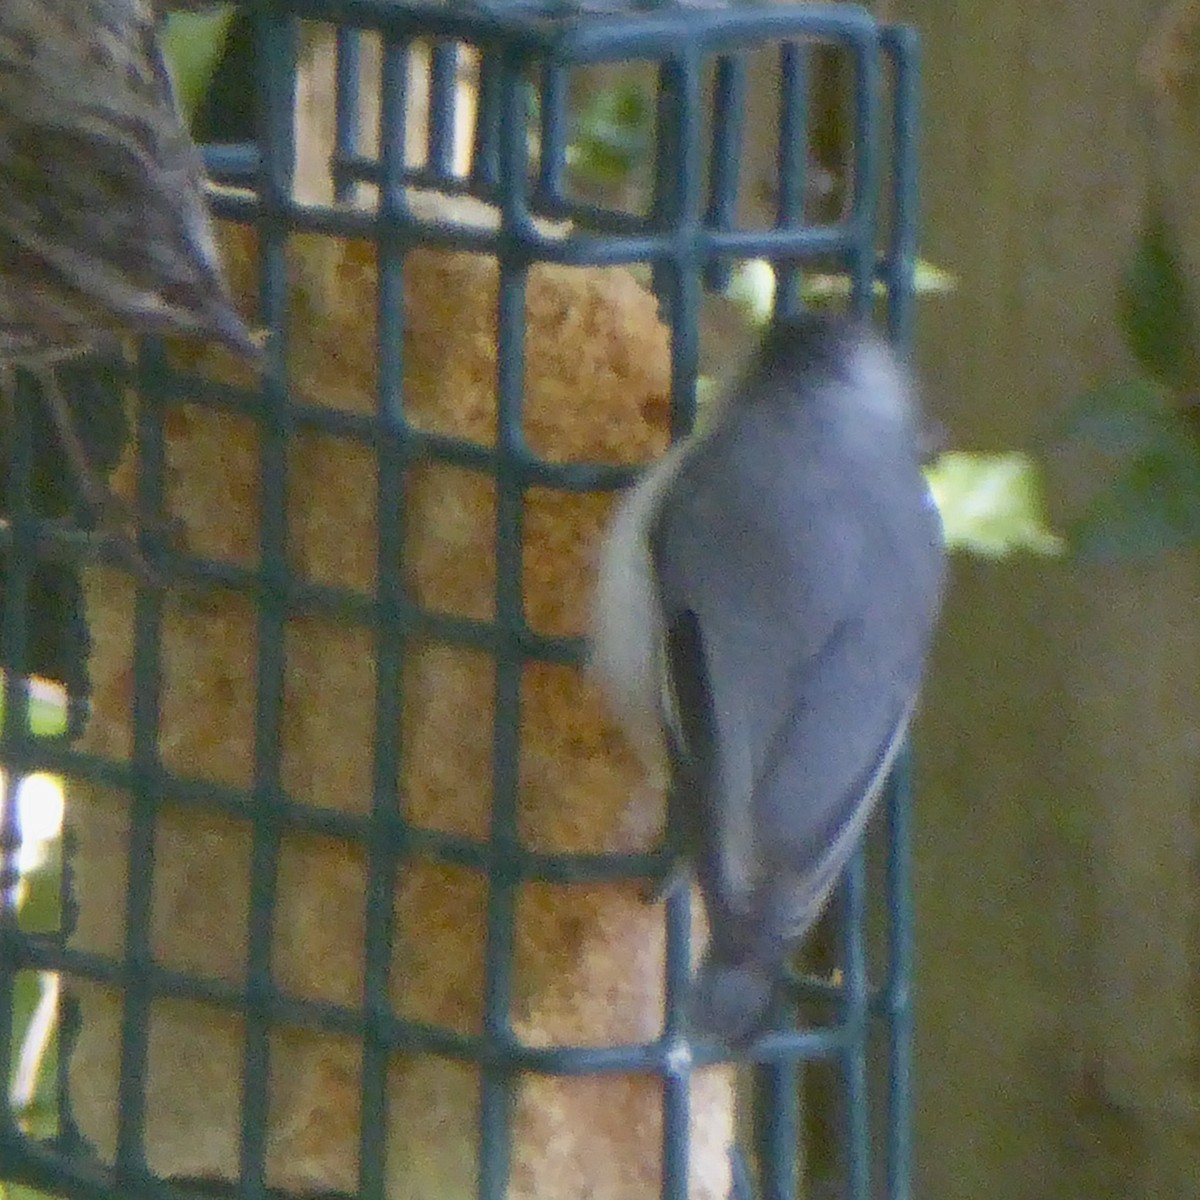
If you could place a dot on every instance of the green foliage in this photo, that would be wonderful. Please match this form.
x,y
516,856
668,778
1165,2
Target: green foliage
x,y
39,898
1153,305
992,505
1143,430
192,44
613,135
1150,502
47,707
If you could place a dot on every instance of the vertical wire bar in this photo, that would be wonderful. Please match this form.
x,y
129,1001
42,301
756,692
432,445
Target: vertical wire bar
x,y
346,104
677,1081
742,1182
10,934
681,197
676,207
666,209
443,108
137,995
485,153
495,1099
728,128
865,210
679,932
793,133
277,51
552,159
386,811
393,128
777,1128
14,648
854,1015
69,1138
904,48
898,996
792,160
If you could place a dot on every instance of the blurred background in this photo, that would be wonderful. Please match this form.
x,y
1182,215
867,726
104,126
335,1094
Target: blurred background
x,y
1057,814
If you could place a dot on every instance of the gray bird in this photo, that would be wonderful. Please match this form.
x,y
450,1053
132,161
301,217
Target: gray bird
x,y
104,227
766,598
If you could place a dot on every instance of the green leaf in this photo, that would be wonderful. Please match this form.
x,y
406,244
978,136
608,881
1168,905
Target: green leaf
x,y
930,280
1154,306
992,504
613,134
1150,503
47,707
192,43
1151,507
1121,419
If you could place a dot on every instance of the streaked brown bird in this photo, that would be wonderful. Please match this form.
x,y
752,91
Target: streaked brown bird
x,y
104,226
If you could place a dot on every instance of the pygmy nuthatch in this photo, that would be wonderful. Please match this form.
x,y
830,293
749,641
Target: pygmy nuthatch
x,y
766,597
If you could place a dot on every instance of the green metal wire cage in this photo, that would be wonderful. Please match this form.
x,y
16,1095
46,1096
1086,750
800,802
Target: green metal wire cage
x,y
255,976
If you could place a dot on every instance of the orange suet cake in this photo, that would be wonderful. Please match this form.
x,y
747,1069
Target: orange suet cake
x,y
588,959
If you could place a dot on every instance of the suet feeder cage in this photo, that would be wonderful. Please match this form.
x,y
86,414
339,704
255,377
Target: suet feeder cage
x,y
353,893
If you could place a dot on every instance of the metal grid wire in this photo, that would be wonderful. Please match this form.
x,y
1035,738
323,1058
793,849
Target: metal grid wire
x,y
689,235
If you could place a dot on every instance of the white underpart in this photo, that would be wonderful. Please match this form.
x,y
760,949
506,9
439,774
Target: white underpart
x,y
626,652
879,384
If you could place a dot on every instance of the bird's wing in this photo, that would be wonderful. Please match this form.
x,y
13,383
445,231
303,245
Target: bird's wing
x,y
791,683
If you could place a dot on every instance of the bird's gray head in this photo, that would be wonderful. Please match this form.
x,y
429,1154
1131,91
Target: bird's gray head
x,y
851,367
